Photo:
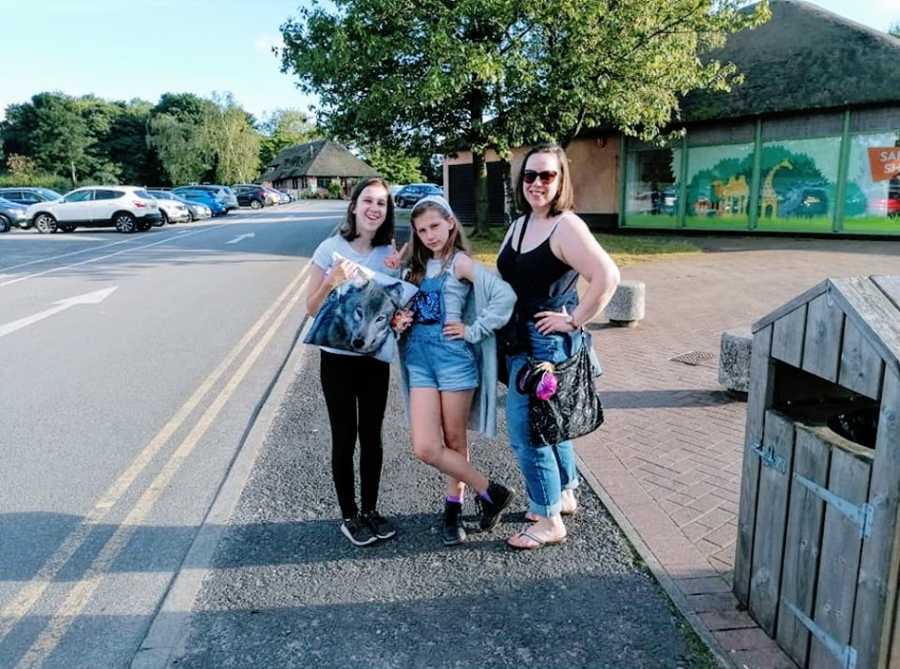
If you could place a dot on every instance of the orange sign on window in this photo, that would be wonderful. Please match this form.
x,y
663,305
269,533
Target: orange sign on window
x,y
884,162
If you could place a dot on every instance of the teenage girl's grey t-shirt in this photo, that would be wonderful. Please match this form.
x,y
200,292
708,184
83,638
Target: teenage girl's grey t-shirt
x,y
374,260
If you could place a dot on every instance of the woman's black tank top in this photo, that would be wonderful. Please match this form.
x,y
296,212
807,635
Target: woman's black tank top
x,y
535,276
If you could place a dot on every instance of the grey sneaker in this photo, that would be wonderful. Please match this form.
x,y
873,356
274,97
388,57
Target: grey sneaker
x,y
358,531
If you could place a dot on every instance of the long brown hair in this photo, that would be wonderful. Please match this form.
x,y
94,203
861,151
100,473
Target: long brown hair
x,y
564,200
385,232
421,253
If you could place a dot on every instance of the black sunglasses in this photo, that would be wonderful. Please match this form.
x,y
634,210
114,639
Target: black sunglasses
x,y
547,176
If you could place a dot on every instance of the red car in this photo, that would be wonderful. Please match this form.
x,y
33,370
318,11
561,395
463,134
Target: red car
x,y
890,205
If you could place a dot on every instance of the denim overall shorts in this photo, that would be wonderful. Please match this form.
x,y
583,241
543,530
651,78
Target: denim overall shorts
x,y
432,360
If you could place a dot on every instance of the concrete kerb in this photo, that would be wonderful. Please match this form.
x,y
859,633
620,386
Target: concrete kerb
x,y
659,573
165,640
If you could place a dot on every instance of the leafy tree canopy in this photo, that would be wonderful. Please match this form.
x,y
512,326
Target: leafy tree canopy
x,y
480,74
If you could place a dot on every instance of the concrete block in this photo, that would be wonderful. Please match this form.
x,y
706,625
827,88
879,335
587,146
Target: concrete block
x,y
734,359
626,308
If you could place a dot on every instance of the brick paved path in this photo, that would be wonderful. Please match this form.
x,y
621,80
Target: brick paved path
x,y
668,460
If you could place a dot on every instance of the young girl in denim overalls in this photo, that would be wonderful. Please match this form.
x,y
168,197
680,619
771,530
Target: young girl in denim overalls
x,y
443,358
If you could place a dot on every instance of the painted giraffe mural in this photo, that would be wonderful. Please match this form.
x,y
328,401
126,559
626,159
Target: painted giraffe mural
x,y
768,195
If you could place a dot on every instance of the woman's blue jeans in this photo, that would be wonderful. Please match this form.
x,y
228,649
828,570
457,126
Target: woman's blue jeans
x,y
548,470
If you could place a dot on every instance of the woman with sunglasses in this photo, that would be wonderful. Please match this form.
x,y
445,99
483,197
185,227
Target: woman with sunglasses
x,y
542,257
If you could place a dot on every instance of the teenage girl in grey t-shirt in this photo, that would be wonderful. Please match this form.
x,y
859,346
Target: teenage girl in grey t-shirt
x,y
356,386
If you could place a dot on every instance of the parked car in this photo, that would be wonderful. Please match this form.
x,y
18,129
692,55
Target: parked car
x,y
170,209
251,195
126,208
274,195
197,211
287,197
12,213
28,196
412,193
203,197
223,194
887,204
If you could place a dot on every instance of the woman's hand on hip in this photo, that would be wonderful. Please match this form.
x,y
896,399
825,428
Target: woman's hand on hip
x,y
554,321
455,330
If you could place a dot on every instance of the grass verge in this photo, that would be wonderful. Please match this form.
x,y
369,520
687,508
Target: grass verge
x,y
625,249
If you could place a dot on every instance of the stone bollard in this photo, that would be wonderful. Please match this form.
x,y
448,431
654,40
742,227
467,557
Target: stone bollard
x,y
734,359
626,307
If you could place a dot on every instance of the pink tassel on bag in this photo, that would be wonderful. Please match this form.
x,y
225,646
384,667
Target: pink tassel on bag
x,y
546,387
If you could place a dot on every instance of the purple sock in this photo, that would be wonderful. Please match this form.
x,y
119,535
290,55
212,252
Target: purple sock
x,y
454,500
484,495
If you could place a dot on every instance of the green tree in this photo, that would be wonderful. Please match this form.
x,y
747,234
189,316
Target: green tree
x,y
283,128
181,146
395,166
232,141
54,130
444,75
126,144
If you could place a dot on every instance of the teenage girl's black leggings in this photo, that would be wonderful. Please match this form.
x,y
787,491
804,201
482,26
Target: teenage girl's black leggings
x,y
355,389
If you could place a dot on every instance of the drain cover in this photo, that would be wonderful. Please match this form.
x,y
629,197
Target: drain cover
x,y
694,357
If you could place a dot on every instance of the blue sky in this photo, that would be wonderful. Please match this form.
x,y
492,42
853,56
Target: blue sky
x,y
121,50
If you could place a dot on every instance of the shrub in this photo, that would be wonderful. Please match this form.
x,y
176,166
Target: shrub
x,y
334,191
42,180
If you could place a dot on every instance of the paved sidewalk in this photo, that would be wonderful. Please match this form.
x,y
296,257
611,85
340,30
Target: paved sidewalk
x,y
668,459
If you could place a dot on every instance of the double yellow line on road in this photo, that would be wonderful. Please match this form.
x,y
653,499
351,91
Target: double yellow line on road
x,y
82,591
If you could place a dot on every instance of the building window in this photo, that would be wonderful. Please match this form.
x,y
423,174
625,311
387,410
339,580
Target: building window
x,y
872,193
798,184
323,182
718,186
651,191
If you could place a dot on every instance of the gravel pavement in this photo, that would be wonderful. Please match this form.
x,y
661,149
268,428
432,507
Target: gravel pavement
x,y
288,590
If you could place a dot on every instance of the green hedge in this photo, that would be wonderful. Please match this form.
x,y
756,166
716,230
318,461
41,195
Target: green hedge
x,y
59,184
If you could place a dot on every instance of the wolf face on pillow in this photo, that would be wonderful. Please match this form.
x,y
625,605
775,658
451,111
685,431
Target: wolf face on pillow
x,y
356,316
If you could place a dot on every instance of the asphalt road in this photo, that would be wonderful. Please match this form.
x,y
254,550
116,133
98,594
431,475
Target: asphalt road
x,y
131,367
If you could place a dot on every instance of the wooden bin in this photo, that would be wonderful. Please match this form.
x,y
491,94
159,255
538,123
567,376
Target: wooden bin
x,y
817,552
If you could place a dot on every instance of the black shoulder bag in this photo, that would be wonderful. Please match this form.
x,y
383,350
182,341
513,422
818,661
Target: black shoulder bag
x,y
574,410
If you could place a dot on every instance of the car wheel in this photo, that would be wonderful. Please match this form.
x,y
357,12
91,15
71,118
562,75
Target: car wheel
x,y
255,204
5,224
45,224
163,219
67,228
124,222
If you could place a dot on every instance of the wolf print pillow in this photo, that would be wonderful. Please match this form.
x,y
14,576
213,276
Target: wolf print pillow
x,y
356,315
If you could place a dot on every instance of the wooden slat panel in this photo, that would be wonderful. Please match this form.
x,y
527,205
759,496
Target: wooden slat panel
x,y
879,567
839,561
890,286
802,547
874,313
861,366
787,337
771,510
759,399
787,308
822,343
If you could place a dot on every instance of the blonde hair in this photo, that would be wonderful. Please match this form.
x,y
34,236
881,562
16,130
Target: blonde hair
x,y
421,254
